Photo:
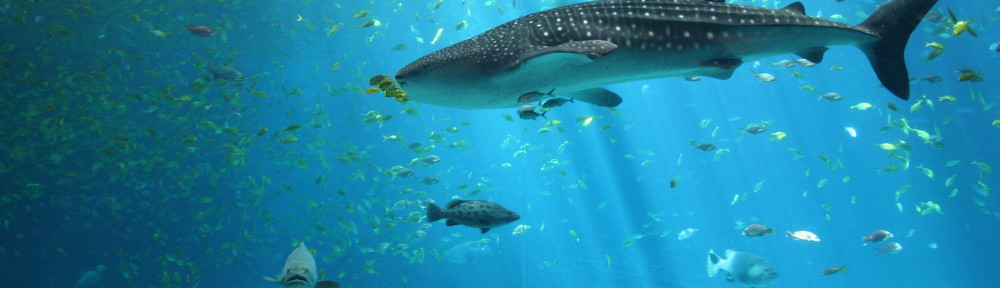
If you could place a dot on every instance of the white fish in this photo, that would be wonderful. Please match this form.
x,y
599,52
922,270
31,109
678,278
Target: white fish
x,y
851,131
300,271
90,278
520,229
803,236
784,64
765,77
467,252
686,233
892,247
805,63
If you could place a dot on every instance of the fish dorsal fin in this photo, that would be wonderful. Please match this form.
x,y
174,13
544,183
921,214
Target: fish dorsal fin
x,y
327,284
454,203
814,54
796,7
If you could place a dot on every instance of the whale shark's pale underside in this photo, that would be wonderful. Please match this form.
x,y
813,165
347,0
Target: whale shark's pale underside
x,y
575,50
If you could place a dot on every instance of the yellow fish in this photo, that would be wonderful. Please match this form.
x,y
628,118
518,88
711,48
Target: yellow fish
x,y
778,136
969,76
960,26
938,48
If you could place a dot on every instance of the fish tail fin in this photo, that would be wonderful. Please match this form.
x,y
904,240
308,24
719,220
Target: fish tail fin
x,y
433,213
713,263
843,268
893,23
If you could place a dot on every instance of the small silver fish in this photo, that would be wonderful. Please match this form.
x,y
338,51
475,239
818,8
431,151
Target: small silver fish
x,y
406,172
804,63
430,180
555,102
527,112
892,247
227,73
832,97
755,129
431,159
533,96
686,233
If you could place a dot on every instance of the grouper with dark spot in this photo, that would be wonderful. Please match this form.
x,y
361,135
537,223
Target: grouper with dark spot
x,y
480,214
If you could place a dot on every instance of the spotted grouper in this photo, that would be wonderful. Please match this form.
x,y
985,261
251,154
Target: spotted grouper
x,y
480,214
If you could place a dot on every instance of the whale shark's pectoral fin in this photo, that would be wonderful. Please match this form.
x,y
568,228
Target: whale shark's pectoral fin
x,y
721,68
597,96
590,48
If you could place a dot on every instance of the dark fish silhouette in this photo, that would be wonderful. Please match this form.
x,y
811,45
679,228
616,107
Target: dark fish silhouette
x,y
226,72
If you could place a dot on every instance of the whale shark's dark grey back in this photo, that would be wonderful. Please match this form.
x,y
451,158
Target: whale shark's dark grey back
x,y
504,46
673,24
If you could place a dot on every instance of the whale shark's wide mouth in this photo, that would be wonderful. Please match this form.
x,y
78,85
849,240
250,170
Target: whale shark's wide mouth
x,y
297,278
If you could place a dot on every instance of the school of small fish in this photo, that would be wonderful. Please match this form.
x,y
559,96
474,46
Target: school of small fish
x,y
179,112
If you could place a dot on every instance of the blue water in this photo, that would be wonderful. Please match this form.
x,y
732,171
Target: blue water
x,y
105,162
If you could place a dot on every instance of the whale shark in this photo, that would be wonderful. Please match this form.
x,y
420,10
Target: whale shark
x,y
575,50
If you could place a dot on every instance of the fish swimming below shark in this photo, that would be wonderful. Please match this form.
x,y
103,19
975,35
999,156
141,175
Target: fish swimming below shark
x,y
300,271
575,50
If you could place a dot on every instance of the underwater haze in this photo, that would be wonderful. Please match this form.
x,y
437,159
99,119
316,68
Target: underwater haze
x,y
197,143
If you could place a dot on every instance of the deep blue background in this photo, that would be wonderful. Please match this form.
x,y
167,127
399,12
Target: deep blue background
x,y
124,192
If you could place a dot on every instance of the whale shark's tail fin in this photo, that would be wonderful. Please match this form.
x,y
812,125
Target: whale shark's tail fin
x,y
893,23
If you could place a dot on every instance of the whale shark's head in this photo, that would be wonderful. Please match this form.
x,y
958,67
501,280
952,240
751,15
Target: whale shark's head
x,y
453,75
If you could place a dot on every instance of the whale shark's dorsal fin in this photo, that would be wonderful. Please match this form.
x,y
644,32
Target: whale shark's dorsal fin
x,y
796,7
